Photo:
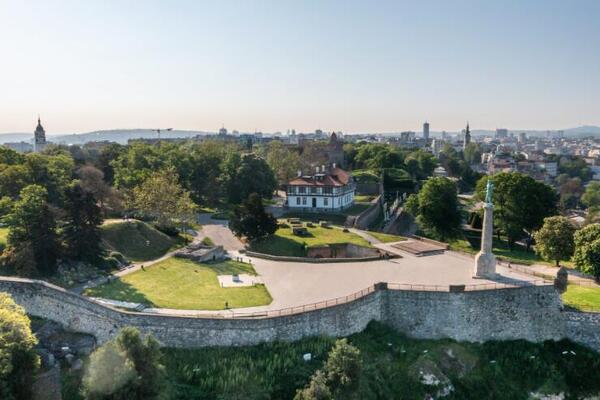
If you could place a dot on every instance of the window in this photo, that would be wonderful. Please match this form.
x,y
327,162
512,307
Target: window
x,y
298,201
313,190
325,201
301,189
304,201
327,190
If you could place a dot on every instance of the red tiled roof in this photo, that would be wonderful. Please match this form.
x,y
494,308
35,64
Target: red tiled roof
x,y
334,177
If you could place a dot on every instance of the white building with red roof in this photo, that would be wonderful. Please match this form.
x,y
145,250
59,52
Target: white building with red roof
x,y
330,189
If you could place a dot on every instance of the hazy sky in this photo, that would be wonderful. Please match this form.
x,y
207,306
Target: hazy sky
x,y
354,66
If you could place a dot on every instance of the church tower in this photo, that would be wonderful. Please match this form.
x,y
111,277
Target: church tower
x,y
467,137
39,137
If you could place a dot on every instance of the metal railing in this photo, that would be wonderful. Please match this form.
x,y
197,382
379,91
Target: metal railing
x,y
373,288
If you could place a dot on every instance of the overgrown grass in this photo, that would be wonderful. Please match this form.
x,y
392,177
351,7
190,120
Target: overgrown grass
x,y
183,284
137,240
386,237
582,297
364,198
3,237
391,364
285,243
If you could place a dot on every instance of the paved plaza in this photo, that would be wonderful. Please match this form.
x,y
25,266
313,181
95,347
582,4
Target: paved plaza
x,y
293,284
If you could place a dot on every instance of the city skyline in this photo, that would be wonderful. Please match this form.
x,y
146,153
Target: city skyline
x,y
273,66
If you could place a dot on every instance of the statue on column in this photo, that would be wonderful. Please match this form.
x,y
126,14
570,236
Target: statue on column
x,y
485,261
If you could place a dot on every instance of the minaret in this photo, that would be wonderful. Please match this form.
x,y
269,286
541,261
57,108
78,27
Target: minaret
x,y
39,137
467,137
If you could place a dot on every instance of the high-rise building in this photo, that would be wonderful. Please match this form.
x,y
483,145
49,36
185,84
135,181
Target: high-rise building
x,y
501,133
522,137
426,131
467,137
39,137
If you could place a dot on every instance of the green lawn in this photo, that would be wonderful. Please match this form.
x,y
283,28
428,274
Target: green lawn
x,y
285,243
386,237
184,284
500,249
137,240
582,297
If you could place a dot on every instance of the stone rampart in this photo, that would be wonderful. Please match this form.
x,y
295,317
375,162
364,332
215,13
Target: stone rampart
x,y
532,312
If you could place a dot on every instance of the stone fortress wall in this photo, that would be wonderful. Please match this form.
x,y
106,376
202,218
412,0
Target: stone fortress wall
x,y
533,313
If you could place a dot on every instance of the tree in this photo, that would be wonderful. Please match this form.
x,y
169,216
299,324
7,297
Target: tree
x,y
339,378
250,219
554,240
520,203
343,369
18,359
91,179
472,153
32,225
81,231
285,163
110,374
591,196
128,367
317,389
438,210
161,197
246,174
587,250
147,360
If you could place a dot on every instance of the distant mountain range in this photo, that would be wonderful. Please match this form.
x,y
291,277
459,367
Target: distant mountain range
x,y
123,135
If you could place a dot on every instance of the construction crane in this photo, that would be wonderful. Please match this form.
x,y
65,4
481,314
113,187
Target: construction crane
x,y
158,131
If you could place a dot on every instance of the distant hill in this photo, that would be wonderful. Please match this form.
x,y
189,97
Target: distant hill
x,y
121,135
16,137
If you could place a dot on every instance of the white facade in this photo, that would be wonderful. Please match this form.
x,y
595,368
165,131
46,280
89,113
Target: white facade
x,y
310,198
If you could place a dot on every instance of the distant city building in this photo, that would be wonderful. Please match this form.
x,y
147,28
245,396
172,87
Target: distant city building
x,y
20,147
223,132
407,136
522,137
328,189
501,133
39,137
426,131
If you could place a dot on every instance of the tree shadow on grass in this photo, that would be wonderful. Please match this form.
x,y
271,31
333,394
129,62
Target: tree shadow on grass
x,y
279,246
119,290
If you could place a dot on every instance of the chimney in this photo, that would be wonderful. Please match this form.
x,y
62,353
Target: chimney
x,y
323,169
299,172
333,165
317,169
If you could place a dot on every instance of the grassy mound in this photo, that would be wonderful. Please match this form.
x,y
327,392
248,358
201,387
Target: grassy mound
x,y
184,284
138,241
285,243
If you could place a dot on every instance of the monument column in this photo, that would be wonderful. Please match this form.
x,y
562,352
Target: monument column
x,y
485,261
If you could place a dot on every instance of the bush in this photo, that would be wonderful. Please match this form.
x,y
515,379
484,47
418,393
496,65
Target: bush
x,y
168,230
110,263
120,257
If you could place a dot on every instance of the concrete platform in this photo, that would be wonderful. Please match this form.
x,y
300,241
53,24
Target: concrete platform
x,y
418,248
227,281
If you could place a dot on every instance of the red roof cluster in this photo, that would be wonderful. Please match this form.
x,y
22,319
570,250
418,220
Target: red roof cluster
x,y
333,177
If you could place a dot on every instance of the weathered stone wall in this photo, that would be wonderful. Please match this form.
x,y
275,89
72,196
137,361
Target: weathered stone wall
x,y
532,313
368,216
584,328
81,314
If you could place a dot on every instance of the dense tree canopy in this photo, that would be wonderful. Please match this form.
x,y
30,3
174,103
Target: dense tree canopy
x,y
520,203
436,207
251,220
18,360
128,367
554,240
587,250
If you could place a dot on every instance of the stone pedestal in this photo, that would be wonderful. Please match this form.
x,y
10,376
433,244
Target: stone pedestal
x,y
485,261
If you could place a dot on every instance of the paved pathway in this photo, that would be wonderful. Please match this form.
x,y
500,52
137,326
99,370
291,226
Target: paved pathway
x,y
218,231
364,234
